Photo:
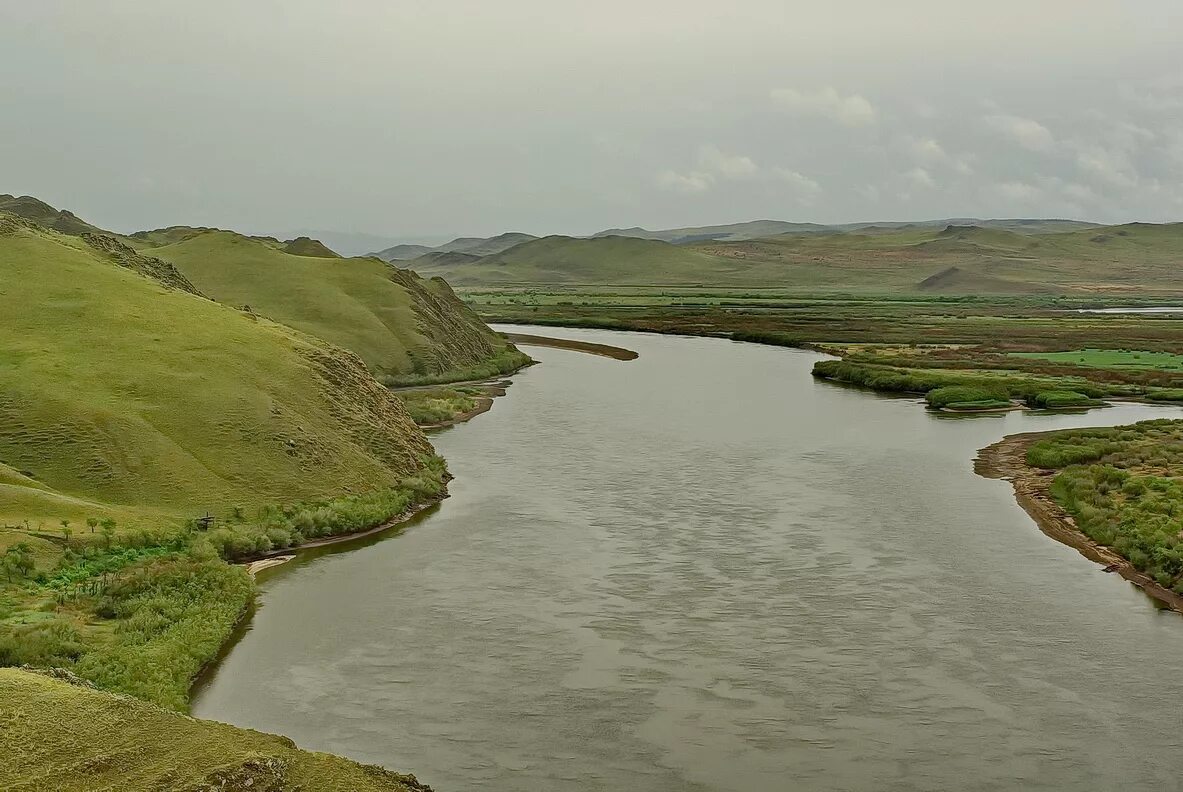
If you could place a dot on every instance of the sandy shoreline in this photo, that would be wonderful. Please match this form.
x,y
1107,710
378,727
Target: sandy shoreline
x,y
1007,460
592,348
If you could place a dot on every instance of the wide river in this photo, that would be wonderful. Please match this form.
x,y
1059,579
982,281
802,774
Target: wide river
x,y
704,570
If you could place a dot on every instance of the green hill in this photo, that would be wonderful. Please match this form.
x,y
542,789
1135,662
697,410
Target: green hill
x,y
125,394
1133,260
404,327
69,737
43,214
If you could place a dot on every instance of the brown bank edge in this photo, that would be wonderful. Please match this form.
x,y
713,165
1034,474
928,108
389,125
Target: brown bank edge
x,y
1007,460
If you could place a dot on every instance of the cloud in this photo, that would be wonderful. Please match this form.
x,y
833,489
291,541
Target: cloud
x,y
920,177
1018,192
690,183
801,185
852,110
731,166
1111,167
1026,132
927,151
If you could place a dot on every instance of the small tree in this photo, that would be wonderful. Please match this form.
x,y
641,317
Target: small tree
x,y
66,531
92,523
18,558
107,526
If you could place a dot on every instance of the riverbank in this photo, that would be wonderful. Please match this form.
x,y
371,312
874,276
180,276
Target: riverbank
x,y
605,350
1007,460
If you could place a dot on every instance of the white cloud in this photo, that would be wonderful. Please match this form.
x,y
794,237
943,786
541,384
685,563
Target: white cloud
x,y
690,183
920,177
852,110
1111,167
1026,132
730,166
927,151
802,186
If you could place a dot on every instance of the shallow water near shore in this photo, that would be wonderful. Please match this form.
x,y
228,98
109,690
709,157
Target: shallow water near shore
x,y
704,570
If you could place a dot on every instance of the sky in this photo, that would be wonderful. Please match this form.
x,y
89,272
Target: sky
x,y
432,118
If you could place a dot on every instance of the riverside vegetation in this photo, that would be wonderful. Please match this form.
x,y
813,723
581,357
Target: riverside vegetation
x,y
150,437
1122,487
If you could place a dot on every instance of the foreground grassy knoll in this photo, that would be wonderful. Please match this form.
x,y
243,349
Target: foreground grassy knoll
x,y
128,398
1129,260
64,737
406,328
130,406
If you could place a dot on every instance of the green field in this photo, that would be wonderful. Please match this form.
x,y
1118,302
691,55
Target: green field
x,y
1111,358
69,738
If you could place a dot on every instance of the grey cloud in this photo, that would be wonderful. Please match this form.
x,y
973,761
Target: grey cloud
x,y
422,119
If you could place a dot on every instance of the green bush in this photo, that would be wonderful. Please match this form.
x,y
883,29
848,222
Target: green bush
x,y
950,395
1060,399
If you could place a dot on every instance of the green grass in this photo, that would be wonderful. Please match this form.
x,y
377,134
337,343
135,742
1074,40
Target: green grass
x,y
1135,260
69,738
437,405
122,398
1123,487
1111,358
401,325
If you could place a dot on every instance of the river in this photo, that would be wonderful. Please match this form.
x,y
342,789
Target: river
x,y
705,570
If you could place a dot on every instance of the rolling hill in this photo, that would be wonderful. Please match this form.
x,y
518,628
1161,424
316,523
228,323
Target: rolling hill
x,y
64,736
1134,260
759,229
401,325
476,246
126,393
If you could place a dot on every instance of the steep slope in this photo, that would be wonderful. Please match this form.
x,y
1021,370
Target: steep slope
x,y
399,324
69,737
124,394
43,214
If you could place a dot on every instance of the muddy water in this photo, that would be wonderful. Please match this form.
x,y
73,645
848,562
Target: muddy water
x,y
703,570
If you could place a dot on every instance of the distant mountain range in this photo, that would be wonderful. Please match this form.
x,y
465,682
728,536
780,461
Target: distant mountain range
x,y
978,257
476,246
731,232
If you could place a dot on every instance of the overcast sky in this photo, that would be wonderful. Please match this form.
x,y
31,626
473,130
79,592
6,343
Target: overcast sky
x,y
439,117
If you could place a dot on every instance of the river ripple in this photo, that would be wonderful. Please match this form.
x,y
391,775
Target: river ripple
x,y
704,570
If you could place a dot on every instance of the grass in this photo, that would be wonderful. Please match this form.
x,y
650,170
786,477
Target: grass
x,y
1112,358
437,405
1123,488
1127,261
401,325
144,612
70,738
156,404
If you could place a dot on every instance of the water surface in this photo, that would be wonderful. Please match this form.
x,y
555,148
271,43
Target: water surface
x,y
704,570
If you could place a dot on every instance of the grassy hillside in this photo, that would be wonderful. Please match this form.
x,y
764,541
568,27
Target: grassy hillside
x,y
45,215
402,326
1134,260
65,737
125,397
